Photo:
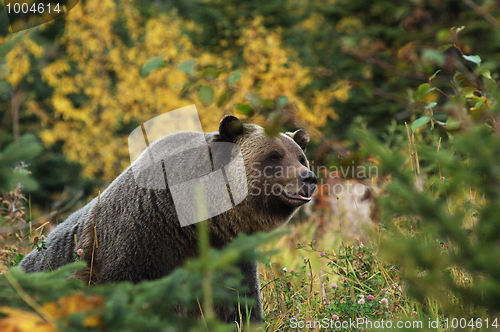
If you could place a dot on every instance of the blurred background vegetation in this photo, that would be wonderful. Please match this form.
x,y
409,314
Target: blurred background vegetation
x,y
76,82
409,87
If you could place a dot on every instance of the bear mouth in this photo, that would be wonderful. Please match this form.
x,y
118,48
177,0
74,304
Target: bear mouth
x,y
299,197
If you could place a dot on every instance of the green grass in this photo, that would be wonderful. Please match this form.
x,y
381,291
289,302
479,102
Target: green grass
x,y
310,284
316,279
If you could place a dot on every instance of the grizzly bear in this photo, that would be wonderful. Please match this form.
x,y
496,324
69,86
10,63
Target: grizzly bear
x,y
138,230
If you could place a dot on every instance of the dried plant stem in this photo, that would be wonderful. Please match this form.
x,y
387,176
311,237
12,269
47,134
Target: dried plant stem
x,y
28,299
412,150
95,246
487,16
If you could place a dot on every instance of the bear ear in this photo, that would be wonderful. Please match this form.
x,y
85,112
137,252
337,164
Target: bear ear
x,y
230,128
301,137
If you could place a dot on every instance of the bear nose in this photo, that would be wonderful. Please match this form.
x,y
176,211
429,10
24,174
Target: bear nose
x,y
308,178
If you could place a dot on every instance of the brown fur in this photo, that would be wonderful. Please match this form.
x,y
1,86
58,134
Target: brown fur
x,y
133,234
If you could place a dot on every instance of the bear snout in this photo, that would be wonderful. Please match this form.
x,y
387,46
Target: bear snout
x,y
309,181
309,178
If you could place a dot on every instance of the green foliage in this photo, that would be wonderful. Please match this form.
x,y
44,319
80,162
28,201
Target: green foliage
x,y
188,67
439,211
206,94
474,93
152,64
471,248
13,163
402,63
379,48
147,306
354,286
13,257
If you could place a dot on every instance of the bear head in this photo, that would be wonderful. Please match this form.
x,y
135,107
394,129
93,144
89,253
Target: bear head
x,y
278,177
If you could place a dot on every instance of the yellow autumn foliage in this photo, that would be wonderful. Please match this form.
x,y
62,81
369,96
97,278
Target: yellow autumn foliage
x,y
17,62
18,320
103,70
69,305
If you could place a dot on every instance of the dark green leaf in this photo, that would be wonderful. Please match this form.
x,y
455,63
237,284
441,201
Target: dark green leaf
x,y
431,105
152,64
281,101
420,122
440,116
423,90
473,58
268,103
452,124
443,48
486,73
461,79
479,103
211,73
245,109
188,67
234,77
468,92
190,85
224,97
206,94
434,75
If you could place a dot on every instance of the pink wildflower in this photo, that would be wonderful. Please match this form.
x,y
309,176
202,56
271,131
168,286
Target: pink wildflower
x,y
384,301
79,252
370,297
333,285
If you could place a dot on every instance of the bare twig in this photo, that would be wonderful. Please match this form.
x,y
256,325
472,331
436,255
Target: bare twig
x,y
95,245
487,16
28,299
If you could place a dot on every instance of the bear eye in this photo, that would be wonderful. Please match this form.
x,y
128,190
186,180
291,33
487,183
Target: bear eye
x,y
274,156
303,160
